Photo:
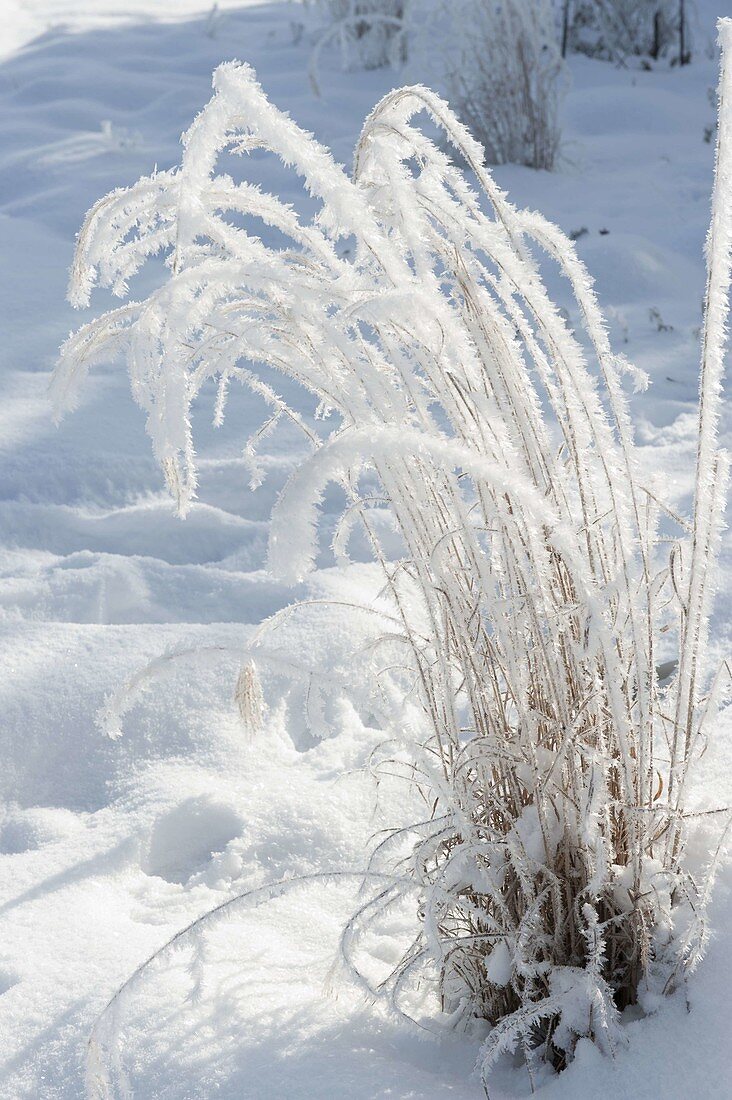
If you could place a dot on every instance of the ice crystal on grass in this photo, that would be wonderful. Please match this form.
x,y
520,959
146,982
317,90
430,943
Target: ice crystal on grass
x,y
516,652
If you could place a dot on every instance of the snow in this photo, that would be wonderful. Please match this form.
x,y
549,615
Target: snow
x,y
110,848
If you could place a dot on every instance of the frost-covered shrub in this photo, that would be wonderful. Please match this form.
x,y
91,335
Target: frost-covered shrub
x,y
519,632
620,28
505,78
372,33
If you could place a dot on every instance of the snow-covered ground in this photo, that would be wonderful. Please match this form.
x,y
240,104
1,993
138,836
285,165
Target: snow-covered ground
x,y
109,848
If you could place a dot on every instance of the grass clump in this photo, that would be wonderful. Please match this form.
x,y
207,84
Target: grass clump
x,y
520,627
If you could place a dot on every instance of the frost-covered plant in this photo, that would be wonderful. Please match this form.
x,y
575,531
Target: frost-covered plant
x,y
518,632
371,33
505,78
620,28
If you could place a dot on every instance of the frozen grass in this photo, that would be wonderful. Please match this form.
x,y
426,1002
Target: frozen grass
x,y
517,660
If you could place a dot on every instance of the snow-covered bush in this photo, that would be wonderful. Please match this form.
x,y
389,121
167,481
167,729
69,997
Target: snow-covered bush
x,y
500,61
505,78
520,630
372,33
620,28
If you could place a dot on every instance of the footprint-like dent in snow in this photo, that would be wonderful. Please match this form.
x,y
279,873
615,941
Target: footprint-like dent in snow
x,y
184,841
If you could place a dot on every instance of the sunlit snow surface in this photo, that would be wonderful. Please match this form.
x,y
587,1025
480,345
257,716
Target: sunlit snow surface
x,y
109,848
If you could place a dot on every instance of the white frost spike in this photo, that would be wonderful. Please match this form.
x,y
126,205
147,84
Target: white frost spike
x,y
249,700
712,464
